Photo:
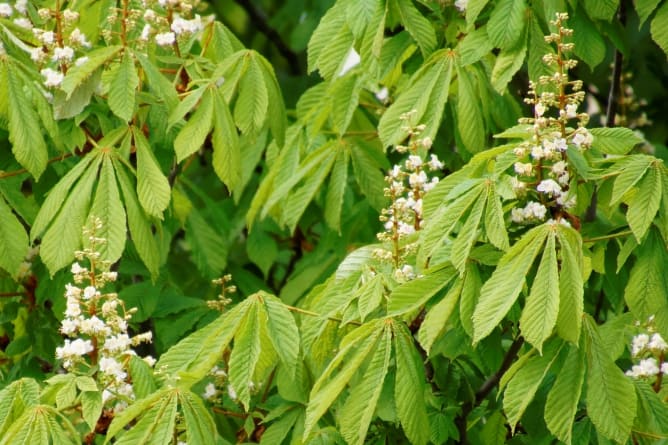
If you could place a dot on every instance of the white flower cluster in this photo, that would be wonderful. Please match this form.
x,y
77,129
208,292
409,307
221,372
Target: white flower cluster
x,y
406,185
167,21
96,323
650,349
542,171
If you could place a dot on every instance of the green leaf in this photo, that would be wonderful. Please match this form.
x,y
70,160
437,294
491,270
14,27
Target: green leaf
x,y
13,240
57,196
367,170
632,170
152,187
571,285
652,414
473,9
611,398
508,62
135,410
601,9
25,133
141,374
589,43
124,82
139,223
245,354
499,293
563,398
250,111
283,331
506,24
63,237
200,427
495,226
107,206
359,408
197,128
338,180
353,350
645,203
413,294
158,83
370,295
409,387
225,140
156,425
524,383
209,249
15,399
467,236
542,305
645,8
417,26
470,123
276,109
330,23
195,355
345,93
614,141
77,75
437,316
91,407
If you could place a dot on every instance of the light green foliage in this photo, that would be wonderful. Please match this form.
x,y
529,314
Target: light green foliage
x,y
415,229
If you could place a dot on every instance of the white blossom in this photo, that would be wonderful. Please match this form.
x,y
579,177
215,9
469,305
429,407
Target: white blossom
x,y
80,61
525,169
165,38
182,26
657,343
351,61
78,38
64,54
549,187
89,292
74,348
21,6
434,162
571,111
23,23
5,10
559,168
209,391
540,109
47,37
461,5
646,368
112,367
145,33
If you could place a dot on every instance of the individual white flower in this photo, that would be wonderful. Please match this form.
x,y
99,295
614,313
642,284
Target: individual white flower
x,y
583,138
426,142
21,6
89,292
74,348
646,368
525,169
540,109
116,343
657,343
182,26
110,276
559,168
112,367
664,368
69,326
405,229
93,326
417,179
435,163
44,13
210,391
78,38
165,38
5,10
77,269
549,187
571,111
537,152
560,144
149,360
37,54
563,179
535,210
413,162
70,16
73,309
64,54
150,15
430,185
461,5
382,94
23,23
80,61
145,33
231,392
47,37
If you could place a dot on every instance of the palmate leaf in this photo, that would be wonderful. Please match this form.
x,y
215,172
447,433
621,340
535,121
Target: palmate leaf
x,y
38,425
542,305
283,331
63,237
333,20
571,285
359,408
523,385
152,187
225,140
353,351
200,427
500,292
370,295
435,320
470,122
195,355
468,235
124,82
645,202
506,24
107,206
250,110
13,240
417,26
25,133
630,170
413,294
368,167
563,398
15,399
139,222
156,425
614,141
409,386
197,128
611,398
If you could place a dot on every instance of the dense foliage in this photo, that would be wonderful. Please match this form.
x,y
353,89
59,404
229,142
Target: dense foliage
x,y
350,221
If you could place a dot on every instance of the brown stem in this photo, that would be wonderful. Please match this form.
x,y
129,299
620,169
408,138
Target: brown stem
x,y
225,412
21,171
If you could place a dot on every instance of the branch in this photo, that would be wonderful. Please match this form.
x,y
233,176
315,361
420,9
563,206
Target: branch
x,y
260,21
487,387
21,171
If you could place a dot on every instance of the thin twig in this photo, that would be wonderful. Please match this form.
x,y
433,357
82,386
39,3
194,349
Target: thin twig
x,y
315,314
605,237
12,294
229,413
21,171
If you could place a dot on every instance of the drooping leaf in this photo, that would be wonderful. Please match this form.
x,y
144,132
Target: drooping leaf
x,y
563,398
152,186
611,398
645,203
225,140
571,286
417,26
413,294
437,316
197,128
107,206
124,82
507,22
13,240
614,141
500,292
250,111
283,331
200,427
